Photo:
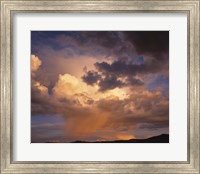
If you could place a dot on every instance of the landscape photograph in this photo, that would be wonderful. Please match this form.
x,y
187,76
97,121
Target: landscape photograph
x,y
99,86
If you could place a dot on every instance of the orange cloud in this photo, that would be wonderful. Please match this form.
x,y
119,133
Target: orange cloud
x,y
35,63
43,89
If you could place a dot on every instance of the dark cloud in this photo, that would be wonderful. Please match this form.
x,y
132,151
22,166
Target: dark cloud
x,y
91,77
77,42
149,42
135,82
118,44
41,104
110,82
123,68
106,39
120,69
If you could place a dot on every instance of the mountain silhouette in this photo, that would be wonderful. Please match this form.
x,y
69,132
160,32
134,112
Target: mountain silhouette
x,y
163,138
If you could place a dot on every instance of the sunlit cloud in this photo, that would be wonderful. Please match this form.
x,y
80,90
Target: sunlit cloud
x,y
35,63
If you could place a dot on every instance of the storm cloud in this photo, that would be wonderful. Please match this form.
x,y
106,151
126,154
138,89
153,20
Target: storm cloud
x,y
91,77
99,85
150,42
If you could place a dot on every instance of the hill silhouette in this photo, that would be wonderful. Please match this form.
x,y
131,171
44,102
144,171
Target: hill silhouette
x,y
163,138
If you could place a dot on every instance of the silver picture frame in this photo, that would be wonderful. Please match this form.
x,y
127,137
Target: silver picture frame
x,y
11,7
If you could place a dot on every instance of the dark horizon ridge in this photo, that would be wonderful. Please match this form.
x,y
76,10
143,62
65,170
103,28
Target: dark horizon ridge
x,y
162,138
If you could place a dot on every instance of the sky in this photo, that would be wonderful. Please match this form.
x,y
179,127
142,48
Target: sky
x,y
99,85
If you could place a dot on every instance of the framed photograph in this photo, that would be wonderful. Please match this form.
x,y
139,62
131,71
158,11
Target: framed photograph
x,y
100,86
